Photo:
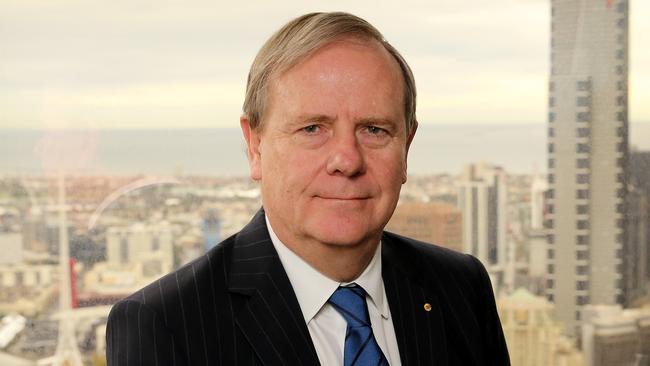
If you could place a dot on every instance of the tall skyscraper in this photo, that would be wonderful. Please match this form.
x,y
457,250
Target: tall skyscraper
x,y
537,202
587,154
482,199
637,238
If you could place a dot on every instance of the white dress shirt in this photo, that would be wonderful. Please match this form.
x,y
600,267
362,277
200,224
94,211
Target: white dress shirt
x,y
326,326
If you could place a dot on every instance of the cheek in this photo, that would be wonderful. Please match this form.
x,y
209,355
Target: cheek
x,y
291,173
391,169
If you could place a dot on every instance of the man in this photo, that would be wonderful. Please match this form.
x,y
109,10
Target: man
x,y
328,119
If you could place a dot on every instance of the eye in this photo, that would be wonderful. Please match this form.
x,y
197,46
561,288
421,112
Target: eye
x,y
311,129
374,130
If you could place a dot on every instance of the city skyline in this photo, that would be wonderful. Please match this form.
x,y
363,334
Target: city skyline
x,y
80,65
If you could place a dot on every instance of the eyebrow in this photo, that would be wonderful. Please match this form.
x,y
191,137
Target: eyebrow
x,y
328,119
376,120
313,118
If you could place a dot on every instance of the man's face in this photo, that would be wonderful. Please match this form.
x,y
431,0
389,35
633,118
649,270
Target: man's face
x,y
331,155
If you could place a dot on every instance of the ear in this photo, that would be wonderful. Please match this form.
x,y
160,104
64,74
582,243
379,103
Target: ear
x,y
252,137
409,139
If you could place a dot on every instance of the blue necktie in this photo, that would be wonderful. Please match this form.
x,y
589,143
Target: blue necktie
x,y
361,347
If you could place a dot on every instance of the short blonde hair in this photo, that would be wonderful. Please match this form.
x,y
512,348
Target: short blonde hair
x,y
302,37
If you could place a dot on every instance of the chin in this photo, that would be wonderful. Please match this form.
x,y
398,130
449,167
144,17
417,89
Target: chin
x,y
342,232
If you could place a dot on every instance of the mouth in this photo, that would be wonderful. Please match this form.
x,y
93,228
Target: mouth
x,y
351,199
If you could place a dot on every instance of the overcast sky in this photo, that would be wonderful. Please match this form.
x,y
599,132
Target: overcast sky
x,y
173,64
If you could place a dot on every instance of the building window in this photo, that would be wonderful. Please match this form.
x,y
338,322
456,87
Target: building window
x,y
155,243
548,223
551,86
582,148
582,209
550,208
19,278
582,239
620,162
620,193
550,254
582,270
551,117
124,250
582,163
619,239
620,70
620,100
582,300
620,85
620,147
578,315
584,85
551,147
551,102
583,116
551,163
583,101
620,177
582,193
550,193
621,23
550,297
620,39
550,284
620,223
621,116
582,178
582,285
551,178
550,268
582,224
551,132
582,255
582,132
550,239
620,131
620,54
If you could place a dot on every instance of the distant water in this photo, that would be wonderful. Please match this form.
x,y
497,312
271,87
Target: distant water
x,y
220,151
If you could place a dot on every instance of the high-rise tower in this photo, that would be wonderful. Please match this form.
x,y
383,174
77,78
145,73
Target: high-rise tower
x,y
587,154
482,198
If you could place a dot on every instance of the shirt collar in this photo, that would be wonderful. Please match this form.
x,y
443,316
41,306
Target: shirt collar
x,y
313,289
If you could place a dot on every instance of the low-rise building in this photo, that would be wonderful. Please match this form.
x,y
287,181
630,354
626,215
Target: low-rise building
x,y
534,338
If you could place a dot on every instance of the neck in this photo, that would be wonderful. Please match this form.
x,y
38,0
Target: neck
x,y
339,262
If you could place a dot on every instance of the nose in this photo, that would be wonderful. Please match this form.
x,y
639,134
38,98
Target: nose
x,y
345,156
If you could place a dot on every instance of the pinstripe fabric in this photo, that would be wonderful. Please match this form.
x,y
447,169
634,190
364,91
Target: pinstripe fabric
x,y
235,306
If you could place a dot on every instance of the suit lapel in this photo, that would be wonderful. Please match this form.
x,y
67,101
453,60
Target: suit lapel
x,y
271,319
419,327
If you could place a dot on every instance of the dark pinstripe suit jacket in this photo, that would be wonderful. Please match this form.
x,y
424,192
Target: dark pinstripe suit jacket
x,y
235,306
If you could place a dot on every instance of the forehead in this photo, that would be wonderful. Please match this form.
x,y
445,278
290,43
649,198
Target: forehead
x,y
349,72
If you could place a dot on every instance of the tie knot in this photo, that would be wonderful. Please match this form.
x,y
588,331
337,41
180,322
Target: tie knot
x,y
350,302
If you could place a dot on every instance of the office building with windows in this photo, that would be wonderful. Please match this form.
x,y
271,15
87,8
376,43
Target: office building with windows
x,y
482,199
432,222
637,238
587,154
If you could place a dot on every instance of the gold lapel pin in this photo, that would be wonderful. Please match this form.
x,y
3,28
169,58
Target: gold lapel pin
x,y
427,307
